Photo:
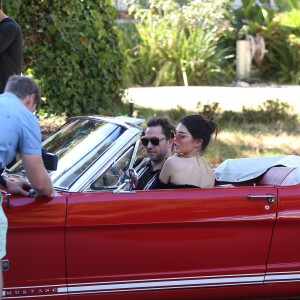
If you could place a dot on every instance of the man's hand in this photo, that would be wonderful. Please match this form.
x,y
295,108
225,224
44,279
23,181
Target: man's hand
x,y
20,187
37,175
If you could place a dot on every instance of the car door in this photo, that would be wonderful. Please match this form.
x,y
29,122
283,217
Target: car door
x,y
284,259
35,260
168,240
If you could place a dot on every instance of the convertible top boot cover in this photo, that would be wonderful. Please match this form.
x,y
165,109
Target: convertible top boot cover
x,y
243,169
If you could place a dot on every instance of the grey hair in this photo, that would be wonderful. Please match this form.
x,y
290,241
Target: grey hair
x,y
23,86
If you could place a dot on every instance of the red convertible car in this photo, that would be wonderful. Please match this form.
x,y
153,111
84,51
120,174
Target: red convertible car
x,y
99,239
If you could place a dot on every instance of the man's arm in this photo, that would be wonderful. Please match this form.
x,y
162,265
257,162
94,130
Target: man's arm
x,y
7,35
37,175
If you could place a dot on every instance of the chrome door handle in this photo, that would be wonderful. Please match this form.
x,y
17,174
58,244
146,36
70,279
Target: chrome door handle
x,y
270,198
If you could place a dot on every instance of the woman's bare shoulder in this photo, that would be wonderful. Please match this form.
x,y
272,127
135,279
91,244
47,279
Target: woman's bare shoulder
x,y
176,163
172,159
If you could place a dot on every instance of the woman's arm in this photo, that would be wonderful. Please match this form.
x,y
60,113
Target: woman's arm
x,y
166,171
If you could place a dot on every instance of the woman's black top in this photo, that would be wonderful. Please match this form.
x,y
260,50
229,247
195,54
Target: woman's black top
x,y
157,185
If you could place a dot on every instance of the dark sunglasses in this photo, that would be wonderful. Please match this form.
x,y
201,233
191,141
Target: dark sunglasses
x,y
178,135
154,141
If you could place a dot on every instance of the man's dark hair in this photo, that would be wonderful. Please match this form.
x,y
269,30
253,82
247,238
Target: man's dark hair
x,y
23,86
0,4
165,124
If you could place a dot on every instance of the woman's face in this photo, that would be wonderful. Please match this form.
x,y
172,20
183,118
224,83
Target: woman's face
x,y
184,143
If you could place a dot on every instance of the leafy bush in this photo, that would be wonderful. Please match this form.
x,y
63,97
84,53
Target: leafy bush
x,y
278,111
177,113
273,111
279,26
190,42
283,57
212,110
71,48
172,44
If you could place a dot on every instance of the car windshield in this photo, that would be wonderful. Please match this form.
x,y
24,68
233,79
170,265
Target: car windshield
x,y
78,144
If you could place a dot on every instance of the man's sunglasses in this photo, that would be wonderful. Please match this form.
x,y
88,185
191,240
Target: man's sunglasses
x,y
154,141
178,136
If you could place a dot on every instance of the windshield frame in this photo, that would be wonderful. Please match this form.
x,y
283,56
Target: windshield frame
x,y
118,142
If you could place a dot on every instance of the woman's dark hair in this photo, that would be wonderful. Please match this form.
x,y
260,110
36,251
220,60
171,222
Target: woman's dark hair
x,y
200,128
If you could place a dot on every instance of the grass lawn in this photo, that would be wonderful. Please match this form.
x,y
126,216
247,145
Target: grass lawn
x,y
244,142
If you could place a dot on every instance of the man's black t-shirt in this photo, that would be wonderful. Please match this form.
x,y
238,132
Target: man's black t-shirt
x,y
146,176
11,55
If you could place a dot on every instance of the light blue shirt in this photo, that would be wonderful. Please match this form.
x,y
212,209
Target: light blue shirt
x,y
19,129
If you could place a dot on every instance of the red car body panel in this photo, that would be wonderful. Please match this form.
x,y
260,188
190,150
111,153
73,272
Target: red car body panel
x,y
35,246
101,240
169,244
180,239
180,244
285,250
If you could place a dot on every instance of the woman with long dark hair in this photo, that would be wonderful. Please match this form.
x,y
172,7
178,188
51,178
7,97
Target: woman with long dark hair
x,y
187,167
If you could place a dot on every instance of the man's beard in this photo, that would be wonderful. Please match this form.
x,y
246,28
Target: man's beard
x,y
157,159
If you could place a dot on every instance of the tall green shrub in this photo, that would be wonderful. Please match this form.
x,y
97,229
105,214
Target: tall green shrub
x,y
71,48
283,55
176,44
279,26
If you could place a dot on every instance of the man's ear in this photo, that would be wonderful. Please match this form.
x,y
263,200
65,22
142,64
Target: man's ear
x,y
29,102
170,143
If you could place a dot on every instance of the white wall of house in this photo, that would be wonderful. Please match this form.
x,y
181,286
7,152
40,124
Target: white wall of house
x,y
121,6
237,3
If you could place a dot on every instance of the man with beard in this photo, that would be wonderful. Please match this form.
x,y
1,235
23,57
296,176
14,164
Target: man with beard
x,y
158,143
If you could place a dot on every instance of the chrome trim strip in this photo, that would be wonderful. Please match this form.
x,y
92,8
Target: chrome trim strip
x,y
149,284
40,291
164,284
282,277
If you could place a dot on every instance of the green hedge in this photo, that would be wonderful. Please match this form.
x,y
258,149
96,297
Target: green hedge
x,y
172,44
195,44
279,25
71,48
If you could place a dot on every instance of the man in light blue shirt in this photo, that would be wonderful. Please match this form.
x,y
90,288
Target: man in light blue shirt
x,y
20,133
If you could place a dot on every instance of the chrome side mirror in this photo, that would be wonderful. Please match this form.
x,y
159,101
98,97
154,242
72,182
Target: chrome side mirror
x,y
130,182
131,174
